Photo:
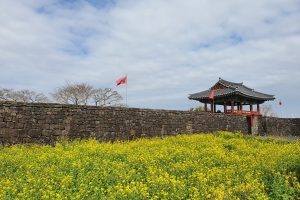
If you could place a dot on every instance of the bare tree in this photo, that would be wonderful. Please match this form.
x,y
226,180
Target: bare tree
x,y
82,93
5,94
267,110
74,93
107,96
61,95
198,109
22,96
86,92
30,96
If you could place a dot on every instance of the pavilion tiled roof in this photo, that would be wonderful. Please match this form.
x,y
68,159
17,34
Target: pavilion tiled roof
x,y
230,88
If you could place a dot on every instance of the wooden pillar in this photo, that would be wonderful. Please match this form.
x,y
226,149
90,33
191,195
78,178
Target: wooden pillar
x,y
205,107
225,106
232,106
211,107
214,107
241,106
251,122
251,109
258,111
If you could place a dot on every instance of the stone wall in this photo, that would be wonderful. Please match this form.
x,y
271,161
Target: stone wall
x,y
279,126
46,123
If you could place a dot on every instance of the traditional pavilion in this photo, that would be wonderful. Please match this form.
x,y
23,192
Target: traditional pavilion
x,y
234,95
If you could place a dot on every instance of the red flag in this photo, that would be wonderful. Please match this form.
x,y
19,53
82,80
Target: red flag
x,y
280,103
122,80
212,94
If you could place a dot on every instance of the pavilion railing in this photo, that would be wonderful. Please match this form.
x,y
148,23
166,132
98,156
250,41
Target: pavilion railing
x,y
242,112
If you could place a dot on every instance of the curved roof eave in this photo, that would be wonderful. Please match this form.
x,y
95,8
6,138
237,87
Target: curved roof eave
x,y
205,95
230,88
252,93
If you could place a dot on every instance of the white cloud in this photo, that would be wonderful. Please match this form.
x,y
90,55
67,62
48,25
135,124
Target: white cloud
x,y
168,48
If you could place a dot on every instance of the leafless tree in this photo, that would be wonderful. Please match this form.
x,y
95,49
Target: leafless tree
x,y
86,92
82,93
5,94
73,93
61,95
107,97
198,109
122,105
267,110
22,96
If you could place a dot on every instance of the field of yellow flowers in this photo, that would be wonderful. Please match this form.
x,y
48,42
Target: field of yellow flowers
x,y
220,165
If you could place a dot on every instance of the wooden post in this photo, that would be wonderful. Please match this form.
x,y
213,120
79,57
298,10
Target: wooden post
x,y
251,124
225,107
232,106
251,109
212,107
241,106
258,111
205,107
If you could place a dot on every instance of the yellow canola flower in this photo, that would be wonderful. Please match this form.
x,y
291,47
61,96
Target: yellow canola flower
x,y
220,165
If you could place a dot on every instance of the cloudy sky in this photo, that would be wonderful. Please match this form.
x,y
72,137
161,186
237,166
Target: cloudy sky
x,y
168,48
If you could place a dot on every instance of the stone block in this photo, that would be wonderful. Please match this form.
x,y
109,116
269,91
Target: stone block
x,y
44,140
22,133
73,133
18,125
48,121
10,125
8,132
54,126
57,133
8,119
33,120
35,133
65,133
46,126
46,133
67,127
2,124
61,126
11,140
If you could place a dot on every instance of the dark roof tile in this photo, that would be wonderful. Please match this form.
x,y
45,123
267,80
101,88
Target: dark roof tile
x,y
230,88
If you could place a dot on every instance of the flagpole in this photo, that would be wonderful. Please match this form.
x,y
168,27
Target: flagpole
x,y
280,103
214,102
212,96
280,111
126,88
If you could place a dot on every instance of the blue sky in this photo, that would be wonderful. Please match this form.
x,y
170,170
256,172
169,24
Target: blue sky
x,y
169,49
